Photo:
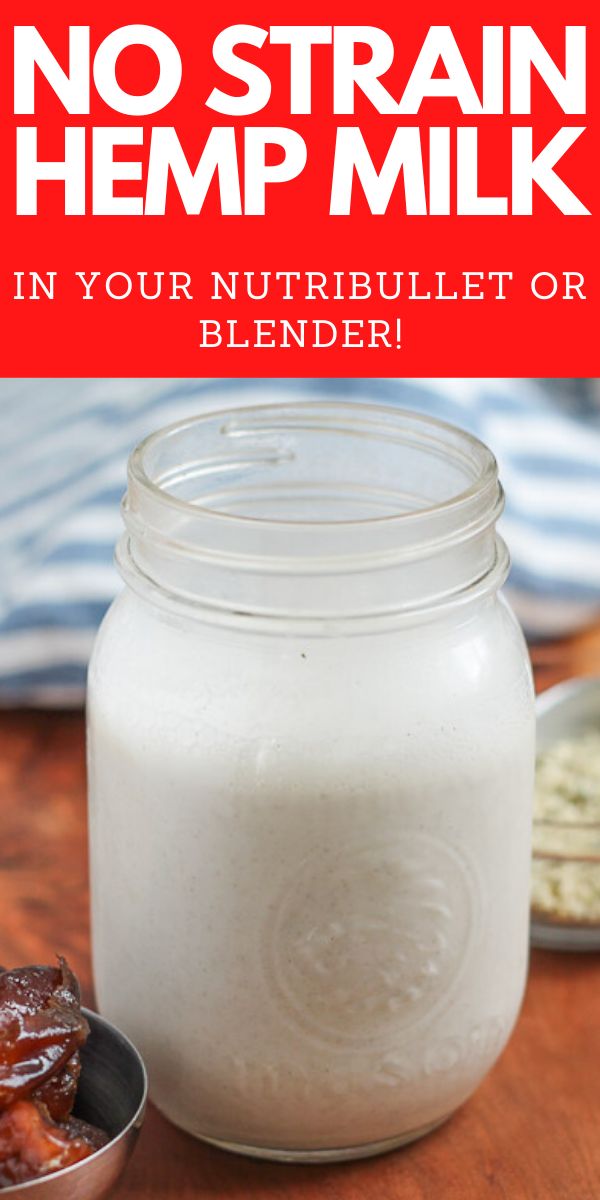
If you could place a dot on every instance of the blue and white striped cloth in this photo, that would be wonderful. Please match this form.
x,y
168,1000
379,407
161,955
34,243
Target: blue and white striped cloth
x,y
64,446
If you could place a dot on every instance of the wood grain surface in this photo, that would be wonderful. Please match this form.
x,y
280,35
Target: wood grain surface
x,y
531,1132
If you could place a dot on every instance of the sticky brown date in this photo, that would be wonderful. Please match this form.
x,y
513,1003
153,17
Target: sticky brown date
x,y
32,1144
41,1031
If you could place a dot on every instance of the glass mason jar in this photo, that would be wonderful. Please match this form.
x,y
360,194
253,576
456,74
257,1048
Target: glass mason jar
x,y
311,753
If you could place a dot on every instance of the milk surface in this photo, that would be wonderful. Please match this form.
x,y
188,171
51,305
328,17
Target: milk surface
x,y
310,868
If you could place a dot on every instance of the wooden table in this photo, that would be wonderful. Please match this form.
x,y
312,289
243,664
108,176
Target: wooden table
x,y
531,1132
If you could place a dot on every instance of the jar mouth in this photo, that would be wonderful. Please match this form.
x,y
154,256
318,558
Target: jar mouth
x,y
312,509
271,429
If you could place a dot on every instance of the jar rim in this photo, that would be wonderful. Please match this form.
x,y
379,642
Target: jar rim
x,y
419,422
185,479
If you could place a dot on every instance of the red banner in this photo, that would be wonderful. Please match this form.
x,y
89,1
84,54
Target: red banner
x,y
374,190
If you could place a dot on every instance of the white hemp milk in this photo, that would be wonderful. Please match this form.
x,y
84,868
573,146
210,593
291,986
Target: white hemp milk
x,y
310,867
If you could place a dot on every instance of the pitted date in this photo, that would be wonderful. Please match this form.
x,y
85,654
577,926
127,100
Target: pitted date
x,y
41,1032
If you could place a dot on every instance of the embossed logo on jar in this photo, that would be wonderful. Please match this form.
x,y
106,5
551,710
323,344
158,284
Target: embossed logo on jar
x,y
475,1047
369,942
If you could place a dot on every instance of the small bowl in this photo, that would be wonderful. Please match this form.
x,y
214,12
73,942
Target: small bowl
x,y
112,1095
567,710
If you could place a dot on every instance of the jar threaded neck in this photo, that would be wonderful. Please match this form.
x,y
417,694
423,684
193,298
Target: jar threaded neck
x,y
313,511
